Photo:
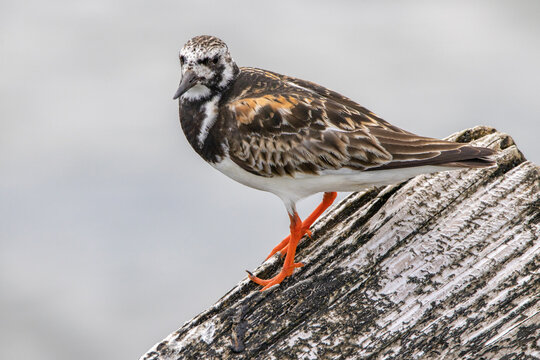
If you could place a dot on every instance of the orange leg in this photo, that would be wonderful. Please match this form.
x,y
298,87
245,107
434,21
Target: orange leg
x,y
328,199
289,264
289,244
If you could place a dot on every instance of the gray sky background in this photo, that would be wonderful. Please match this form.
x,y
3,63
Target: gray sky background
x,y
113,232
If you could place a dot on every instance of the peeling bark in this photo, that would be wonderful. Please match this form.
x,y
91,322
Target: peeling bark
x,y
444,265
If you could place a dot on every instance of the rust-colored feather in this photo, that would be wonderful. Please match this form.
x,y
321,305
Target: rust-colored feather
x,y
290,126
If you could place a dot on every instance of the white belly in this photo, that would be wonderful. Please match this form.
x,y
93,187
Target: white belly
x,y
292,189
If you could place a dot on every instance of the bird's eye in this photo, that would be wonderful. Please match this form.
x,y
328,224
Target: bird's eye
x,y
215,60
182,59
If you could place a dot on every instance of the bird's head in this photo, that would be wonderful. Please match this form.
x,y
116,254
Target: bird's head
x,y
207,68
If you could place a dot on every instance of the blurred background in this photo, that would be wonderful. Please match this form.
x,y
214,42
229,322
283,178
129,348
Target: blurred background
x,y
113,232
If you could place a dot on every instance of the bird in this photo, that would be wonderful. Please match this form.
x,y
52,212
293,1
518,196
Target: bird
x,y
295,138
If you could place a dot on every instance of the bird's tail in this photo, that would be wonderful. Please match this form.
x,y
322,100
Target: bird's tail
x,y
409,150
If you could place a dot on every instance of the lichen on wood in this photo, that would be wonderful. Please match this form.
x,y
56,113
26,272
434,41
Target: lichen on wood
x,y
445,265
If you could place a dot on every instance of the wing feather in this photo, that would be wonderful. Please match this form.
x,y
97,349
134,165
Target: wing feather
x,y
287,126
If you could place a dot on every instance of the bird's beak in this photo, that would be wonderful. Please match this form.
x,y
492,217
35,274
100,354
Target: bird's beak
x,y
189,79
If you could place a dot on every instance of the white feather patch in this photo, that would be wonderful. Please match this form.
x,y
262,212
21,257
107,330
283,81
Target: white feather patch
x,y
210,116
292,189
228,74
197,92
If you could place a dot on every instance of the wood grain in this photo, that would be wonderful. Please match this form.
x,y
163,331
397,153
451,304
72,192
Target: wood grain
x,y
443,266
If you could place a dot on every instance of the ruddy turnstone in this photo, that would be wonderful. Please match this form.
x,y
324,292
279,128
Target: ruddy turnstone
x,y
295,138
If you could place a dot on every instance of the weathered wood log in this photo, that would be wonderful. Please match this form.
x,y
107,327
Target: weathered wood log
x,y
442,266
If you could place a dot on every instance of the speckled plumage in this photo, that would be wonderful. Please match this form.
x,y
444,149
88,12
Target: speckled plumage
x,y
272,125
285,126
295,138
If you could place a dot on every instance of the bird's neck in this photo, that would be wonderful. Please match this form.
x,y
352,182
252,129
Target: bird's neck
x,y
200,120
201,125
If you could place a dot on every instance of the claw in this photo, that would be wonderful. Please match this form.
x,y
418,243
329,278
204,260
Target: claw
x,y
276,280
257,280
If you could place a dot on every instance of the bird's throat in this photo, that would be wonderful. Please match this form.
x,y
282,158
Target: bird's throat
x,y
200,125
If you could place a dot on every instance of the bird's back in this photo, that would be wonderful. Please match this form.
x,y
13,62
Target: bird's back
x,y
283,126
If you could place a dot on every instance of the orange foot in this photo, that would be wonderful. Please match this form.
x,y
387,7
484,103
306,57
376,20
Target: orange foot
x,y
289,244
282,247
276,280
289,264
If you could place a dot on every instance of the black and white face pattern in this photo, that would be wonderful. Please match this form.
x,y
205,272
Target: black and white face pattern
x,y
207,64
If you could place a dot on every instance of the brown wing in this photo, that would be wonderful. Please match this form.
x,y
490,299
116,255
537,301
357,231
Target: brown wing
x,y
289,126
412,150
